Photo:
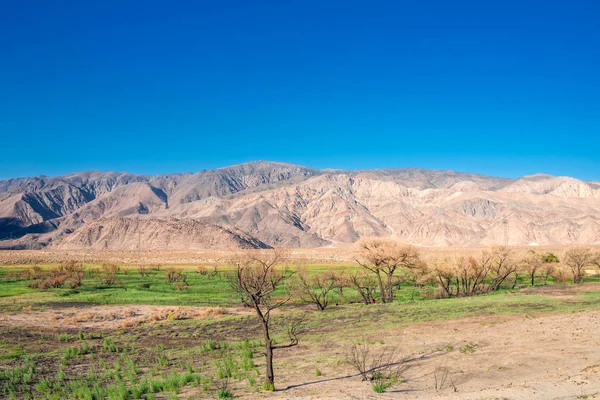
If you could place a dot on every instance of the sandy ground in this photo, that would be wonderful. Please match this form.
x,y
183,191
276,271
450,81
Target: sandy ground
x,y
334,255
544,357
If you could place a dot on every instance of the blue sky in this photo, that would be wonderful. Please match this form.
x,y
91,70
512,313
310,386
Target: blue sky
x,y
503,88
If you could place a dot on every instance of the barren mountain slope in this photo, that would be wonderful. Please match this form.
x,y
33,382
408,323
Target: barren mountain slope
x,y
127,233
276,204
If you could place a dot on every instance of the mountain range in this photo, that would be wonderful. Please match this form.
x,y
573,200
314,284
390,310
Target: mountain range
x,y
266,204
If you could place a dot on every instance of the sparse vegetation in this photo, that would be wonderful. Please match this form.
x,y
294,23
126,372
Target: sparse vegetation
x,y
384,257
172,351
576,260
255,280
109,274
315,289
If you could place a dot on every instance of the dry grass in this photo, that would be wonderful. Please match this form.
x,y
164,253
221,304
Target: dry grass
x,y
186,257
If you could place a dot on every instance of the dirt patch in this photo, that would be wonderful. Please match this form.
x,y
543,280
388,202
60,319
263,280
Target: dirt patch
x,y
66,304
561,291
67,316
490,357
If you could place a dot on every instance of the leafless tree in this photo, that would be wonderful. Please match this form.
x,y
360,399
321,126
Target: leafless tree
x,y
532,264
547,270
502,266
576,260
257,275
315,289
384,257
469,276
365,286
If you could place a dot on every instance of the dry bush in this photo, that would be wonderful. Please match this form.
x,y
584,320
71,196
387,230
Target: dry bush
x,y
576,260
179,313
177,278
36,276
314,289
109,274
69,275
440,378
365,285
129,323
144,270
559,274
156,267
371,364
342,282
202,270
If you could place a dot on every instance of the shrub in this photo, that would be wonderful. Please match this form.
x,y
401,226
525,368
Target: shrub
x,y
108,274
177,278
381,367
380,385
144,270
69,275
202,270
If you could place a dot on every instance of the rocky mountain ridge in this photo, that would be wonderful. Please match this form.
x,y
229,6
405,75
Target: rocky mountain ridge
x,y
265,204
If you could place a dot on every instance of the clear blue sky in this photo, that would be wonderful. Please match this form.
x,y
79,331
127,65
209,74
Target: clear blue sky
x,y
498,87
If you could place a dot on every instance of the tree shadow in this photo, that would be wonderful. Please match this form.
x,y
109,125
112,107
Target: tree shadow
x,y
405,363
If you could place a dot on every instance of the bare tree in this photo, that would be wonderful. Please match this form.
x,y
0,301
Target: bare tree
x,y
384,257
463,277
444,273
469,276
371,256
472,273
532,264
576,260
315,289
255,279
547,271
365,286
502,266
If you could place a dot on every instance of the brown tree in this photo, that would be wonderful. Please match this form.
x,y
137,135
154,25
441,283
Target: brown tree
x,y
384,257
315,289
576,260
365,285
532,264
257,275
501,267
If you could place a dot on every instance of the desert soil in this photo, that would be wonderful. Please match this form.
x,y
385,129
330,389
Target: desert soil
x,y
512,357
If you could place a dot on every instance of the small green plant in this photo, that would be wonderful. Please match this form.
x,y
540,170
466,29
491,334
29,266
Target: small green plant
x,y
318,372
63,337
224,394
380,386
468,348
109,346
